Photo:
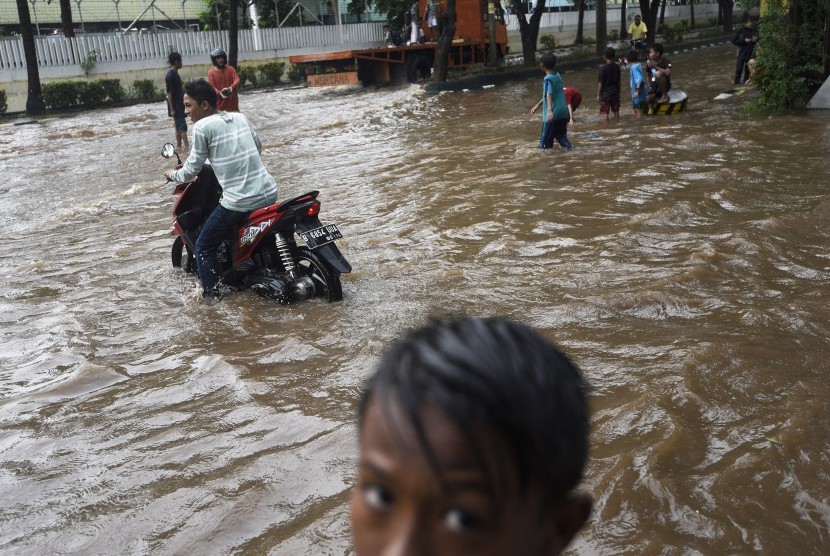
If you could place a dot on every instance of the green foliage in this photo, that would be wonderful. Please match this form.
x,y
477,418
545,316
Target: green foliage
x,y
548,42
789,55
247,73
673,33
296,73
146,90
59,95
614,35
92,94
395,10
115,92
358,7
3,102
91,59
273,71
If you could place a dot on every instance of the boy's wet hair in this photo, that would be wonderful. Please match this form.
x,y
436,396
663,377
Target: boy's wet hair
x,y
631,57
200,90
514,396
609,52
657,47
173,58
548,60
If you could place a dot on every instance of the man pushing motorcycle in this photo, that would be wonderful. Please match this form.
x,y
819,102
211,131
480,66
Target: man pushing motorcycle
x,y
233,148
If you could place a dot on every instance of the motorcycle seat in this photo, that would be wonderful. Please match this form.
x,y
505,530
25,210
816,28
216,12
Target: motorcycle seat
x,y
263,211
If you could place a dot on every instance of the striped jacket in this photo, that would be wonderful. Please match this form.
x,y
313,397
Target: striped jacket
x,y
232,147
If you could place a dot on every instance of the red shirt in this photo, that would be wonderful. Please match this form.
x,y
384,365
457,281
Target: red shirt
x,y
221,78
573,97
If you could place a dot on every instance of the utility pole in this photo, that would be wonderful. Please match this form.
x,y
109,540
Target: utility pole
x,y
491,15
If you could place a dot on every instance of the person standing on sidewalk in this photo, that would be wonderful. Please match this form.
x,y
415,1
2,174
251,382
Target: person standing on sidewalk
x,y
745,40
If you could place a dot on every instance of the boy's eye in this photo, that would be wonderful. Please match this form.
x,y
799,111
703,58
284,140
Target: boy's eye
x,y
378,497
460,521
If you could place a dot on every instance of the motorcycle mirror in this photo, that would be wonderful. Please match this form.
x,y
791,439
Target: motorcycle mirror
x,y
168,150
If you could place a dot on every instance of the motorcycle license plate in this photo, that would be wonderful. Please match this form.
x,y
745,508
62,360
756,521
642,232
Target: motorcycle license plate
x,y
320,236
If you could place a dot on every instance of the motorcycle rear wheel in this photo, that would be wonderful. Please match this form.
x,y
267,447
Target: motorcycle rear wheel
x,y
182,257
326,279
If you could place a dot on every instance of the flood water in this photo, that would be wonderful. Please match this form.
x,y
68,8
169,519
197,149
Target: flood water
x,y
682,261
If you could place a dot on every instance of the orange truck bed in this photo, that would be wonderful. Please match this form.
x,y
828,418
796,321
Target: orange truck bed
x,y
379,65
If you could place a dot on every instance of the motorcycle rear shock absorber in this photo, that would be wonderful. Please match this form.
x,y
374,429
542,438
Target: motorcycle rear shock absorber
x,y
284,249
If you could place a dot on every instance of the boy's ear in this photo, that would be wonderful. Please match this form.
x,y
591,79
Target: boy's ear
x,y
571,515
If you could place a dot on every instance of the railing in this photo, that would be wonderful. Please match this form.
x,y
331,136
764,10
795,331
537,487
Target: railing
x,y
57,50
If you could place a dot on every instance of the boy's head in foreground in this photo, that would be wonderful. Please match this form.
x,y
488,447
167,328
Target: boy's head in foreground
x,y
473,436
547,61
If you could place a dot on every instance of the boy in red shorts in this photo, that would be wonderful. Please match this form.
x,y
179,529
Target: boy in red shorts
x,y
608,86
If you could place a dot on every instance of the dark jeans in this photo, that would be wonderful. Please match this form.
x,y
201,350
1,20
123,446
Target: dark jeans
x,y
219,225
557,129
742,68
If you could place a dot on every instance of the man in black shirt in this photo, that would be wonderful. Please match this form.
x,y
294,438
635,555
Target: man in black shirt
x,y
745,40
175,98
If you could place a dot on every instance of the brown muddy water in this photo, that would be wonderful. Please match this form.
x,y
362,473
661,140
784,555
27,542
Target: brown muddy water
x,y
684,263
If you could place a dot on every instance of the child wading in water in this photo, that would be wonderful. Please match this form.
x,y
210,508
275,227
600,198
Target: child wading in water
x,y
608,86
473,438
555,114
638,84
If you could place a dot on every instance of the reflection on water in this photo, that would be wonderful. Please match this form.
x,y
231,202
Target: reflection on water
x,y
682,261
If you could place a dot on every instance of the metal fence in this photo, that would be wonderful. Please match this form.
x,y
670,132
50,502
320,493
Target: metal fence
x,y
56,50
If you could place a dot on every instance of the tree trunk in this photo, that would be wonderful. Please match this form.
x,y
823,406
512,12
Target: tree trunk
x,y
66,19
529,30
445,43
580,38
233,32
34,100
623,20
663,12
648,13
602,26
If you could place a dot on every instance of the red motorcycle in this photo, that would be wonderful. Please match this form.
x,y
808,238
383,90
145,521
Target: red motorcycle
x,y
263,254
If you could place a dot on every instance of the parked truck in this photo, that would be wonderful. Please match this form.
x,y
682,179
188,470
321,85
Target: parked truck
x,y
470,47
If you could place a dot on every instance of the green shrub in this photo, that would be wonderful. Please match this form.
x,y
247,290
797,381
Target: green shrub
x,y
145,89
296,73
115,92
789,58
3,102
62,94
273,71
673,33
247,73
91,59
548,42
92,94
614,35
